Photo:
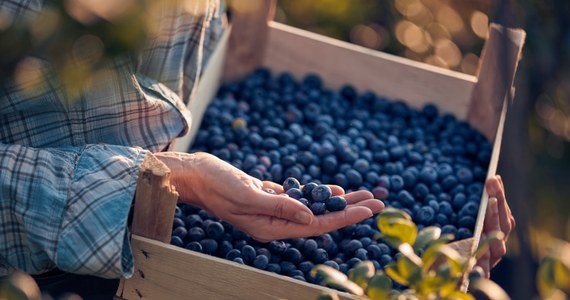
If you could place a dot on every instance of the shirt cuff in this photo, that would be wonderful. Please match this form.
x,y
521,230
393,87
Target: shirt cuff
x,y
93,237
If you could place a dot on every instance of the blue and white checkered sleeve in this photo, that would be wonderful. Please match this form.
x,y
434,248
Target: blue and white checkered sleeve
x,y
67,208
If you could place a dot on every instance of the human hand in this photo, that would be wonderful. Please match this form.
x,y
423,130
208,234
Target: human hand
x,y
206,181
498,217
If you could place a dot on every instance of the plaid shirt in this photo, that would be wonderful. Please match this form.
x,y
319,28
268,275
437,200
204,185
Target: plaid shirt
x,y
69,167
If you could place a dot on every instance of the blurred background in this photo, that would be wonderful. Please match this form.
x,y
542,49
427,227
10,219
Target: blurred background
x,y
535,156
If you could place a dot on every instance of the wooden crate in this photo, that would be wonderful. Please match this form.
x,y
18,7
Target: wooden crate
x,y
168,272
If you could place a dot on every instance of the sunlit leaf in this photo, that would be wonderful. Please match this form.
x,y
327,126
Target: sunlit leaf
x,y
439,254
391,270
336,279
487,289
427,236
390,212
545,277
562,276
379,286
409,269
391,241
361,273
325,272
402,229
486,243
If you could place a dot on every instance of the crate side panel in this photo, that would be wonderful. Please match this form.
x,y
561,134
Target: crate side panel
x,y
301,52
164,271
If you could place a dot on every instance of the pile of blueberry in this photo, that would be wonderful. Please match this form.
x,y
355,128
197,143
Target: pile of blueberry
x,y
317,197
428,164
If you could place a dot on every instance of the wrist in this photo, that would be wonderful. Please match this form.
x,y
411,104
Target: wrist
x,y
182,174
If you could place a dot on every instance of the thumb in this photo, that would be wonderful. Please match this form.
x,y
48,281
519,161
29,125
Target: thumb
x,y
281,207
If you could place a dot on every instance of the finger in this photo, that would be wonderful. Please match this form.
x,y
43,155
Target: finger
x,y
492,222
274,186
495,189
279,206
331,221
336,190
484,263
355,197
374,205
498,249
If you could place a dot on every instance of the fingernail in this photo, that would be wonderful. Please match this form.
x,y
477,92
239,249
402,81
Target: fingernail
x,y
303,217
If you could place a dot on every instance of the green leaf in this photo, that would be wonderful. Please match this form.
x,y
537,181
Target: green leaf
x,y
486,243
409,269
361,273
391,241
391,212
379,286
487,289
402,229
392,270
335,279
427,236
441,254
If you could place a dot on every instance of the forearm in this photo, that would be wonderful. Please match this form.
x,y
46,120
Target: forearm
x,y
67,208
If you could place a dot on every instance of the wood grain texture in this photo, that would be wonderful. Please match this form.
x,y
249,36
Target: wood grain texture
x,y
248,40
167,272
155,201
497,68
301,52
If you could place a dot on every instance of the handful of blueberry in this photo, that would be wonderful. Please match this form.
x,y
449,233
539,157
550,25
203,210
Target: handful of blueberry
x,y
317,197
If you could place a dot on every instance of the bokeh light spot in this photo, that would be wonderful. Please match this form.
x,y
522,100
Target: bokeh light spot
x,y
480,24
448,51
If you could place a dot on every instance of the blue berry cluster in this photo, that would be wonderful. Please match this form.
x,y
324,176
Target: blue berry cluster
x,y
428,164
198,230
317,197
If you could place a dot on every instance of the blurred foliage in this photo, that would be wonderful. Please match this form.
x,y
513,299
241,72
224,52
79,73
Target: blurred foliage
x,y
440,272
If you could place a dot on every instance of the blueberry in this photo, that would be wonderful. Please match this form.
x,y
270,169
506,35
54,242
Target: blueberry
x,y
406,199
320,256
304,201
180,232
326,242
248,253
290,183
380,193
232,254
425,215
466,221
421,191
239,260
318,208
449,182
176,241
361,254
463,233
445,208
287,267
448,229
434,204
385,259
353,261
176,222
343,267
194,246
215,230
441,219
374,251
354,177
209,246
335,203
293,255
178,212
396,183
458,201
409,178
273,267
306,266
352,246
309,247
225,247
294,193
321,193
277,247
261,262
385,248
470,209
428,175
331,263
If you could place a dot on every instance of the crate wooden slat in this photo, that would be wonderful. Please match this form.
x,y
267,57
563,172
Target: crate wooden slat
x,y
167,272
